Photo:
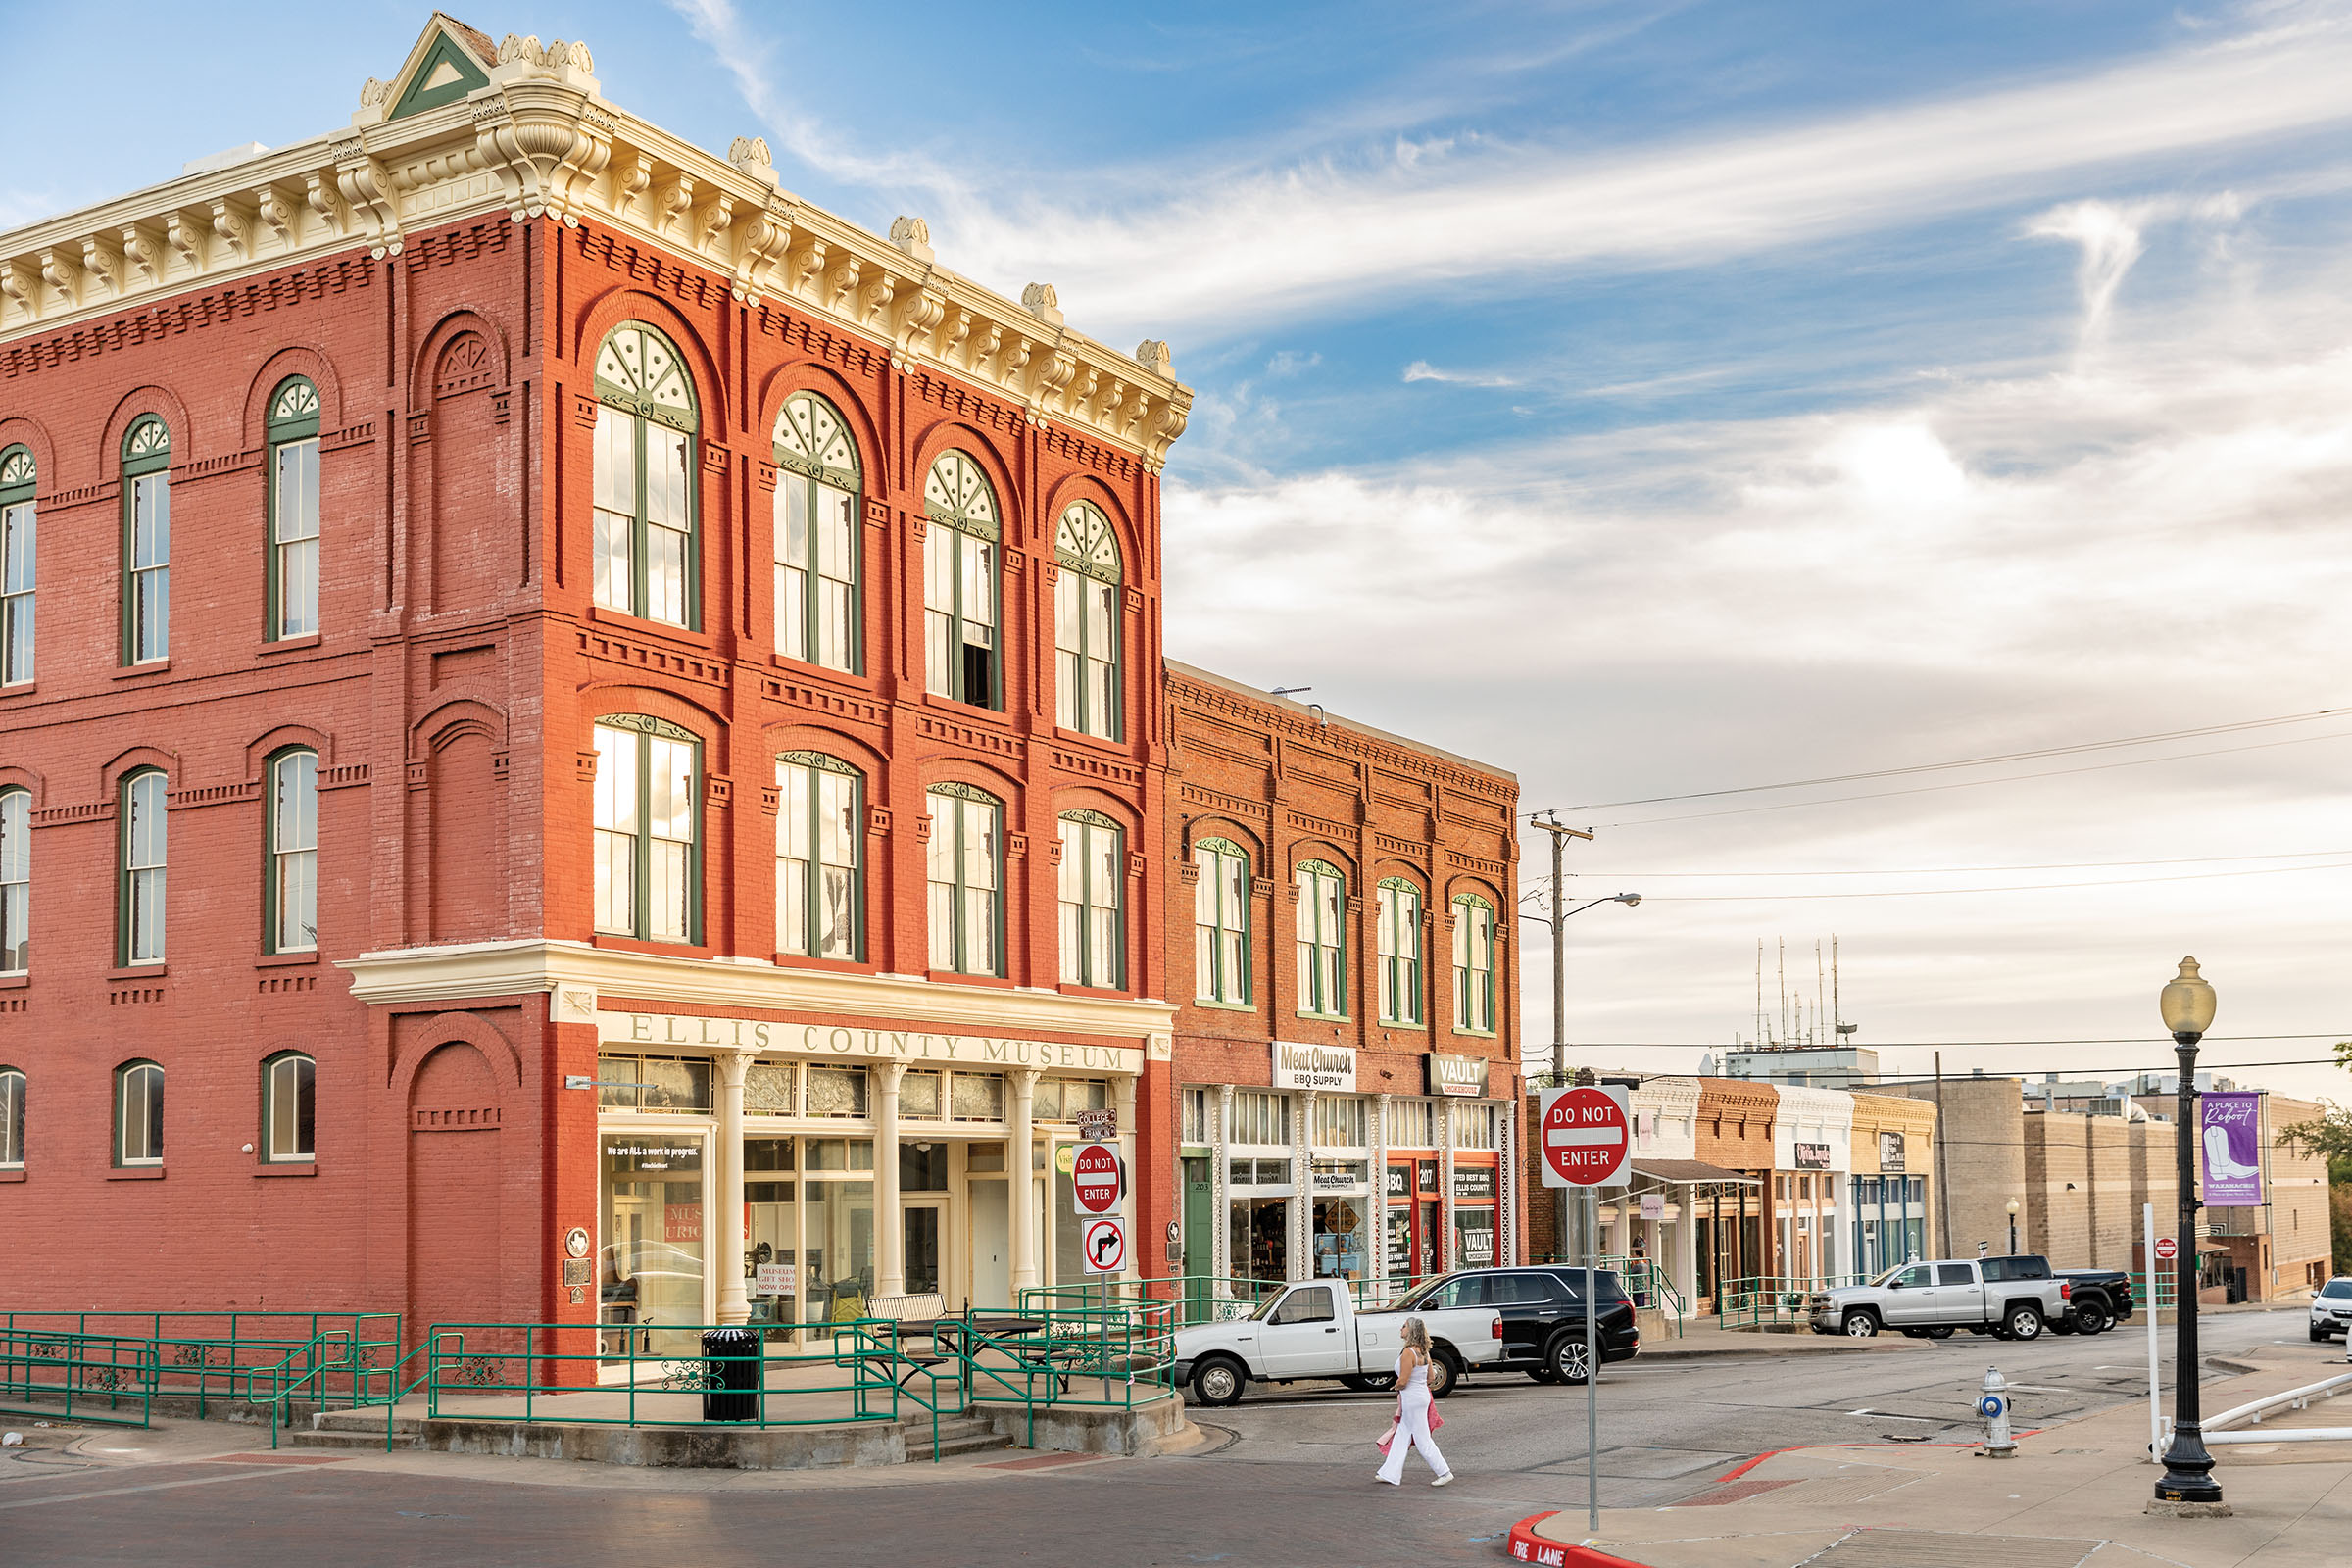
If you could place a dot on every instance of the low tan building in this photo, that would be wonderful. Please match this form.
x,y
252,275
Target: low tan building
x,y
1891,1193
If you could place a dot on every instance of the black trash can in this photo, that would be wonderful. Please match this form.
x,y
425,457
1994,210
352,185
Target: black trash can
x,y
731,1375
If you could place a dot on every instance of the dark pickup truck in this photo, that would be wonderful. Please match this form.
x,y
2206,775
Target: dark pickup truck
x,y
2101,1299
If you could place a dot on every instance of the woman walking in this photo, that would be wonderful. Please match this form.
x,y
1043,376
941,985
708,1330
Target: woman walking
x,y
1412,1410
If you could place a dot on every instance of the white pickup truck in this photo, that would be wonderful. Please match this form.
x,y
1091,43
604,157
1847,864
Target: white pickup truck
x,y
2010,1298
1313,1330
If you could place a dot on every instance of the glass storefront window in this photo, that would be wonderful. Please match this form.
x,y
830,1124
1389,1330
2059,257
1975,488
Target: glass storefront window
x,y
923,1167
918,1096
1473,1238
1258,1233
839,1248
651,1268
654,1083
839,1153
837,1092
1341,1236
976,1097
1062,1099
769,1199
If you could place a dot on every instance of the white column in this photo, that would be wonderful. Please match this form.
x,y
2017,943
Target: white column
x,y
1303,1188
1446,1259
1122,1099
734,1305
890,1228
1685,1246
1377,1265
1021,1182
1220,1211
1506,1183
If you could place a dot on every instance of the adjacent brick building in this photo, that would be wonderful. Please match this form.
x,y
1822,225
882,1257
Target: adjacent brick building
x,y
585,741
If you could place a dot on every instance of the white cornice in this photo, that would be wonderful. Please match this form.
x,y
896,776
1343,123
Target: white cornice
x,y
539,142
581,974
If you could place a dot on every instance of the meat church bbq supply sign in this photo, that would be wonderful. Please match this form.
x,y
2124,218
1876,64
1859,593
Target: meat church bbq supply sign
x,y
1297,1066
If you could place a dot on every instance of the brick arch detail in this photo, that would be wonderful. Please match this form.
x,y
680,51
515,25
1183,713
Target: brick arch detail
x,y
1012,508
112,773
459,1028
22,429
299,360
808,376
798,735
425,369
601,312
1225,828
258,748
13,777
138,401
1075,487
453,717
1314,848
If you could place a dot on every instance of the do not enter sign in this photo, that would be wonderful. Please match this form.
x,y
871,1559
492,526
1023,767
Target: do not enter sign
x,y
2167,1249
1094,1178
1587,1137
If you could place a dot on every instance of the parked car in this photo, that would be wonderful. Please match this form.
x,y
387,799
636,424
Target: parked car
x,y
2101,1299
1313,1330
1543,1312
2011,1297
2331,1310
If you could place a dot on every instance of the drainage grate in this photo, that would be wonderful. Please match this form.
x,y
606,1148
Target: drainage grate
x,y
1935,1548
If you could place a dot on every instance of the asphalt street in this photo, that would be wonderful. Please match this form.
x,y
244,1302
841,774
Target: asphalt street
x,y
1286,1481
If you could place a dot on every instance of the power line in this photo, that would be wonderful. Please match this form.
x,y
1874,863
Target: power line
x,y
1973,783
1955,870
2021,887
1962,1045
1971,762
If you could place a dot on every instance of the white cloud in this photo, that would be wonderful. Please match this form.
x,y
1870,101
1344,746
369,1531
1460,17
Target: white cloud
x,y
1423,371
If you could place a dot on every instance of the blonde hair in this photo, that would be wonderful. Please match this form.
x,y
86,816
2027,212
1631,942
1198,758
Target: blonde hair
x,y
1415,1333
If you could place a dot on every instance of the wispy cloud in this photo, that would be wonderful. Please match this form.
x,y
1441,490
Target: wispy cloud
x,y
1423,371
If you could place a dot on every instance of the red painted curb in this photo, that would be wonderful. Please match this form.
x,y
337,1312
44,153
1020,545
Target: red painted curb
x,y
1528,1546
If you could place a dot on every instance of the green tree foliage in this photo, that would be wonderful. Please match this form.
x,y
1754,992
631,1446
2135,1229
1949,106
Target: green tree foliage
x,y
2331,1133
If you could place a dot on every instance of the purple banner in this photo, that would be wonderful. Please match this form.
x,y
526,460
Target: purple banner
x,y
2230,1136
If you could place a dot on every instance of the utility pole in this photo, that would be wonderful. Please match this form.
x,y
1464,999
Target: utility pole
x,y
1561,835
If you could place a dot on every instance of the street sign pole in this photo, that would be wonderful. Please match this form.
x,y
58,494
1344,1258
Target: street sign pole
x,y
2148,1225
1585,1138
1592,1359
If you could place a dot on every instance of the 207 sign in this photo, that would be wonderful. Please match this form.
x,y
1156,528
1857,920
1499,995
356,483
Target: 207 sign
x,y
1587,1136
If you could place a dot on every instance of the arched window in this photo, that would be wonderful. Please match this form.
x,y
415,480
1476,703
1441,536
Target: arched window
x,y
819,822
964,865
1094,867
15,881
146,541
139,1113
961,658
816,534
140,900
1322,937
1086,624
290,894
289,1109
1221,922
1399,921
17,552
292,589
648,851
1473,964
12,1119
645,424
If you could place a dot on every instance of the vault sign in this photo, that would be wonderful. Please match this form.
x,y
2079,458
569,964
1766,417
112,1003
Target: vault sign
x,y
1587,1136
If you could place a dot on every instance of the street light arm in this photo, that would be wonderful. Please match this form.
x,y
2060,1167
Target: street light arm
x,y
1628,899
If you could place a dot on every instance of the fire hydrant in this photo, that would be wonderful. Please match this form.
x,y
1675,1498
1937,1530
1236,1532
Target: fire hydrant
x,y
1993,1405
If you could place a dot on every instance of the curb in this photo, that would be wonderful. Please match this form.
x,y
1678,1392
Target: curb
x,y
1525,1546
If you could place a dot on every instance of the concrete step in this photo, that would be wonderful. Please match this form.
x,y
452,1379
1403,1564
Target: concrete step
x,y
357,1441
957,1434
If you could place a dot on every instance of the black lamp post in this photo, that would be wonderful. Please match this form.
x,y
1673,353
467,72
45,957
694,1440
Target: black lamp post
x,y
2013,1227
2188,1005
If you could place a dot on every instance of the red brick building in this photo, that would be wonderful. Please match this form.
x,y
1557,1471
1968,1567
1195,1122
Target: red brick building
x,y
568,718
1346,1064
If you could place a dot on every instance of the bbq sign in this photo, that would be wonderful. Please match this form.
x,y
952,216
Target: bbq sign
x,y
1585,1137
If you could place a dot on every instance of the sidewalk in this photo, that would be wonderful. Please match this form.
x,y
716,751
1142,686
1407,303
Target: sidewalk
x,y
2073,1495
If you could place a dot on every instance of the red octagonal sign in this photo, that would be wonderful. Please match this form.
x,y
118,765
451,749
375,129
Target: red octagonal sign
x,y
1094,1178
1587,1136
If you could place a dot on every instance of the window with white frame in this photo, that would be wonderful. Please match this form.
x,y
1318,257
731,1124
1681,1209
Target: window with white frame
x,y
962,657
1341,1121
820,910
643,480
139,1113
289,1109
140,900
817,485
1094,867
11,1118
18,529
1221,922
1085,622
293,574
1322,936
1260,1119
1196,1103
1473,964
1398,916
146,541
964,866
15,881
645,841
1473,1126
1412,1124
292,832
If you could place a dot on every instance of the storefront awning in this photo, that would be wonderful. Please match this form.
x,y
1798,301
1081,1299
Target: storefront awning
x,y
1693,1173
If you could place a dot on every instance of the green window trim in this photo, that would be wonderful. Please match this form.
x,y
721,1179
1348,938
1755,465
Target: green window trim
x,y
459,76
1094,918
19,559
646,730
290,849
1399,943
146,550
142,850
139,1091
817,461
1474,939
1322,939
1088,607
1222,960
948,845
812,893
964,597
290,537
300,1119
641,376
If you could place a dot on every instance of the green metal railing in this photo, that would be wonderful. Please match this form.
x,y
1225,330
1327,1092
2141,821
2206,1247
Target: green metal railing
x,y
2162,1296
54,1365
1757,1299
212,1354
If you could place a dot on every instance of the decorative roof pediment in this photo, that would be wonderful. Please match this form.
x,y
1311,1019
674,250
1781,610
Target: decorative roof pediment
x,y
442,68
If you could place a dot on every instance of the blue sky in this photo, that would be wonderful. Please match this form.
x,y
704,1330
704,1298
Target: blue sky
x,y
1650,398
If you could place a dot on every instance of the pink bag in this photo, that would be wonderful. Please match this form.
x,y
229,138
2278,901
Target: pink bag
x,y
1386,1437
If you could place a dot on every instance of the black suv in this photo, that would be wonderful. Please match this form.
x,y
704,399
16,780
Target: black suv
x,y
1543,1312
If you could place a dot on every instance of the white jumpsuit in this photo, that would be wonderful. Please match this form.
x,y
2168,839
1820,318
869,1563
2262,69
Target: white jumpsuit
x,y
1412,1429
